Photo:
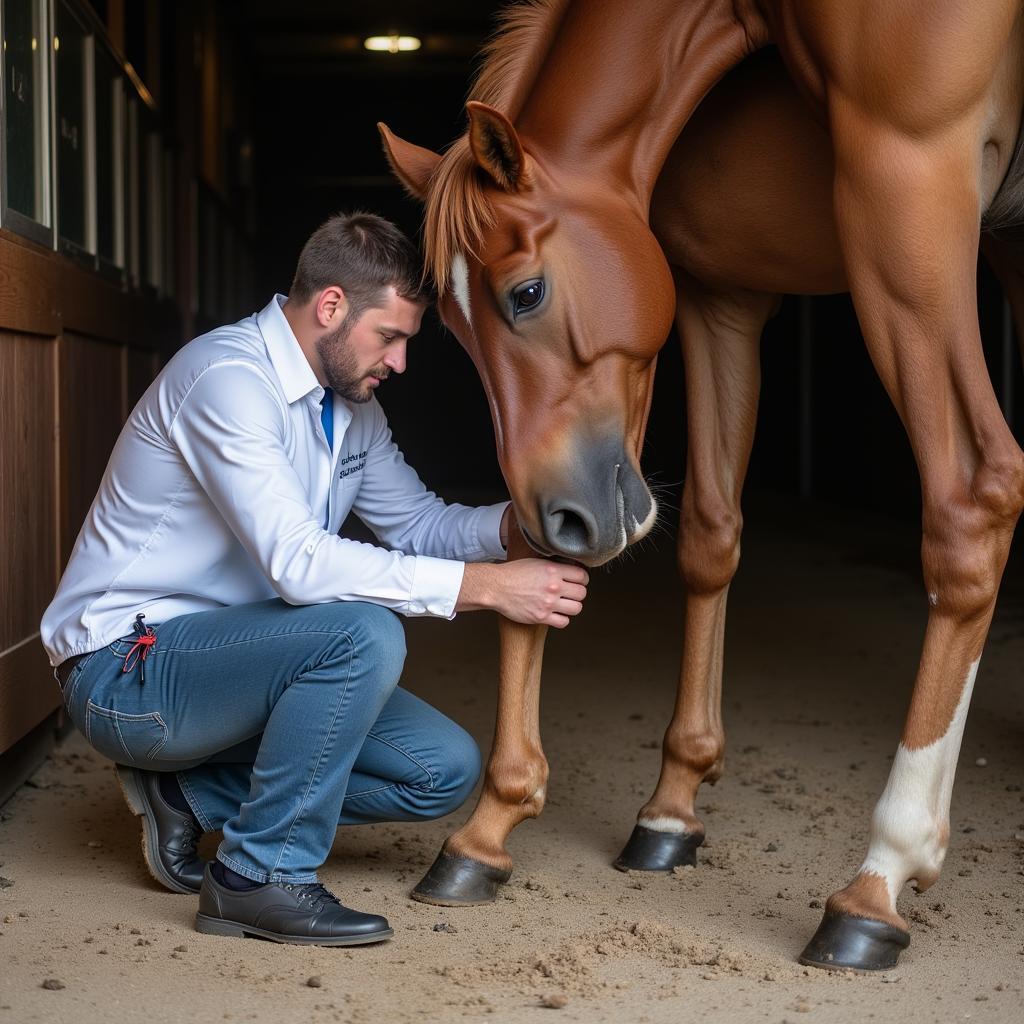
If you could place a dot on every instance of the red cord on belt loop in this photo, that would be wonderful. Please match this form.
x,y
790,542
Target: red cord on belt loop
x,y
140,649
137,655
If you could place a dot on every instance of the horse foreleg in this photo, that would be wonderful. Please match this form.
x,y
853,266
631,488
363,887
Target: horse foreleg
x,y
720,334
474,861
908,214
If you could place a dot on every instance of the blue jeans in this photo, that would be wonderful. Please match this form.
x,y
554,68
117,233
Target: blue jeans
x,y
281,722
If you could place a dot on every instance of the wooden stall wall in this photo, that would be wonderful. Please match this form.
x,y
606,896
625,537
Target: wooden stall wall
x,y
83,329
76,353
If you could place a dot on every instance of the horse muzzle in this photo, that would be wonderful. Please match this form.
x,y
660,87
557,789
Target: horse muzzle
x,y
601,508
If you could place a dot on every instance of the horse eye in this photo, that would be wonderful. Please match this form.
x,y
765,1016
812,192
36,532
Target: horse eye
x,y
527,296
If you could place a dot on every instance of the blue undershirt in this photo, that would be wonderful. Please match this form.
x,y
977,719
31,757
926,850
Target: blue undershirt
x,y
327,419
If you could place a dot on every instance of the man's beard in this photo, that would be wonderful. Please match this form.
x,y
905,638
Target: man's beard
x,y
340,365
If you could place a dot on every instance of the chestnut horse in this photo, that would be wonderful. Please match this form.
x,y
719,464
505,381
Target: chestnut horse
x,y
549,274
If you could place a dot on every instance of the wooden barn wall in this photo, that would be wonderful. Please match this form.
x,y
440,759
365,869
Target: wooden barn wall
x,y
76,353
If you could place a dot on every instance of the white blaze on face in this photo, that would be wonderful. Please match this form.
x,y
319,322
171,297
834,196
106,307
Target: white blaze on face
x,y
910,826
458,275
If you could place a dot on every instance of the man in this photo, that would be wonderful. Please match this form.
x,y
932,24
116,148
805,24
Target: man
x,y
215,637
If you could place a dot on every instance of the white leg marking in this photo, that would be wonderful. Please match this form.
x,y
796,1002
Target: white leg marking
x,y
662,824
459,277
910,826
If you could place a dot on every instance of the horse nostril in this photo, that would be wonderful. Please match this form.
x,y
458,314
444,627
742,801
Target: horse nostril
x,y
570,531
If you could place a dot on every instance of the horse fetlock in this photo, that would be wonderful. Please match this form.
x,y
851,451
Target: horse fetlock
x,y
900,864
908,842
523,784
701,754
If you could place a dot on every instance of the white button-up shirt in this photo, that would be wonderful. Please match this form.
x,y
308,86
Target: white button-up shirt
x,y
218,488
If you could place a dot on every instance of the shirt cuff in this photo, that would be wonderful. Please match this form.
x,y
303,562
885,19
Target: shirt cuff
x,y
489,531
436,583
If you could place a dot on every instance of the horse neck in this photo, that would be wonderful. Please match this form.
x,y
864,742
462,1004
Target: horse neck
x,y
620,79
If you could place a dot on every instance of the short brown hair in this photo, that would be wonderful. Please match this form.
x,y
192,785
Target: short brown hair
x,y
362,254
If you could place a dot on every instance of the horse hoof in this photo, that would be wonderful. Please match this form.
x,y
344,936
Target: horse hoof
x,y
648,850
454,881
843,941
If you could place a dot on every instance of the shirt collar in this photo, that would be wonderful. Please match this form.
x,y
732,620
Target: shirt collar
x,y
290,362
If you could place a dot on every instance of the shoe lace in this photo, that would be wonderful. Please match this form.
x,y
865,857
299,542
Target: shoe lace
x,y
190,835
314,894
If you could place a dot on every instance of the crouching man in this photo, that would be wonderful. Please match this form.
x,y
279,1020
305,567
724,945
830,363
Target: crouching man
x,y
214,636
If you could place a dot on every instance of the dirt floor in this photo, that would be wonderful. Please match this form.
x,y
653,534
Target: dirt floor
x,y
822,644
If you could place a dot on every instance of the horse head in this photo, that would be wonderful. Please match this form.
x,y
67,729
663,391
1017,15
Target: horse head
x,y
561,296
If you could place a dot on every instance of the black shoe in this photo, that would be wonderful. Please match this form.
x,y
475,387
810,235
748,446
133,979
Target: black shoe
x,y
309,915
169,836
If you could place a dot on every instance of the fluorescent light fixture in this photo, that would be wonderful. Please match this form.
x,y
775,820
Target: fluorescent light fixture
x,y
393,43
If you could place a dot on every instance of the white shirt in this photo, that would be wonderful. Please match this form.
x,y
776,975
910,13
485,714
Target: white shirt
x,y
217,490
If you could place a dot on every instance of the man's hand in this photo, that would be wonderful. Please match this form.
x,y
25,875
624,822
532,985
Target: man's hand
x,y
533,591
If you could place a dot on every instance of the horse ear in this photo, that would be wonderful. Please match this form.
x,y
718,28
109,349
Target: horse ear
x,y
496,147
412,165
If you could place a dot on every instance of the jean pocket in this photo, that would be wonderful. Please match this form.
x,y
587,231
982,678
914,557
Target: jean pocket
x,y
127,739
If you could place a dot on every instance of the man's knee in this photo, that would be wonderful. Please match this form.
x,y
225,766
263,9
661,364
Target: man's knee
x,y
458,772
379,640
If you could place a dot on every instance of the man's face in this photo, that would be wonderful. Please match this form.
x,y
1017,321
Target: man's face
x,y
364,350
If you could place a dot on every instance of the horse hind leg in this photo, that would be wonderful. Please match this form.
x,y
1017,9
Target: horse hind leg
x,y
720,333
918,315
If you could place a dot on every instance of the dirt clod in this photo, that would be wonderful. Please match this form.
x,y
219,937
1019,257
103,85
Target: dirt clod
x,y
554,1002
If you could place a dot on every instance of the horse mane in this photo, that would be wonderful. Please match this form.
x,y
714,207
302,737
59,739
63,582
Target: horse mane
x,y
457,208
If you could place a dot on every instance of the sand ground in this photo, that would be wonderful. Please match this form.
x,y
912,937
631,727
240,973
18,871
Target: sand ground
x,y
825,621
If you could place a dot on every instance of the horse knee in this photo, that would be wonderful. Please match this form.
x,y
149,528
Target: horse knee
x,y
709,547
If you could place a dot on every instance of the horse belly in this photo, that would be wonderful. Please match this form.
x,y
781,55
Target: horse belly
x,y
745,197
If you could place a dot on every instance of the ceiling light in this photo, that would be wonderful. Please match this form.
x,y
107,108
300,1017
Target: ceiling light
x,y
393,43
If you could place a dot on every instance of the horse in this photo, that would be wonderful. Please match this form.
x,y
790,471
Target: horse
x,y
538,229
